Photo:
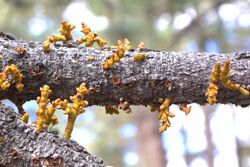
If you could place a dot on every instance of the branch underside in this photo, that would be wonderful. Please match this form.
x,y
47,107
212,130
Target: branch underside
x,y
20,145
180,76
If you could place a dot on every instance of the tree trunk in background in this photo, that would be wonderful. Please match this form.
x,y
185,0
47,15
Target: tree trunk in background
x,y
238,144
150,145
239,153
210,146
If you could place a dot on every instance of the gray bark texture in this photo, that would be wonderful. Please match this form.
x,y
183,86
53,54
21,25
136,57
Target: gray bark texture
x,y
180,76
21,146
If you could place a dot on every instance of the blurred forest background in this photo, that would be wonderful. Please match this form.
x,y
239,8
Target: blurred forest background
x,y
210,136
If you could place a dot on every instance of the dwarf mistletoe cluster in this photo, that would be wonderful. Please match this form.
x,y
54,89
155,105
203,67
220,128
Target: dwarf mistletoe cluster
x,y
222,75
45,113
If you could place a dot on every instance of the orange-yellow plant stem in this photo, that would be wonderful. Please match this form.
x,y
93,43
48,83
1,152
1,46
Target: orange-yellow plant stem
x,y
76,109
70,126
164,115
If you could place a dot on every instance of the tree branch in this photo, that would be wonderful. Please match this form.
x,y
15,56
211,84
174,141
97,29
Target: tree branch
x,y
180,76
20,145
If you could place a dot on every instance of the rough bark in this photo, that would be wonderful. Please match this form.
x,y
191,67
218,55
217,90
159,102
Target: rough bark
x,y
20,145
181,76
